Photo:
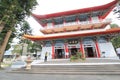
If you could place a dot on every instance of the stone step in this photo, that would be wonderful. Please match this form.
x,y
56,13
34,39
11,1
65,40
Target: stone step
x,y
77,68
70,73
66,67
88,60
72,69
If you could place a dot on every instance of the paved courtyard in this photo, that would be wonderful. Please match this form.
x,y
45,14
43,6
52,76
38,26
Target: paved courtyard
x,y
4,75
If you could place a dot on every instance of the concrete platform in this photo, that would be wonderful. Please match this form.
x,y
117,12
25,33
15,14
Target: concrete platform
x,y
88,61
90,66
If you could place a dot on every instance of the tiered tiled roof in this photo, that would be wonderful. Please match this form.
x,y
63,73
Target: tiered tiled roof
x,y
48,37
77,30
101,11
78,27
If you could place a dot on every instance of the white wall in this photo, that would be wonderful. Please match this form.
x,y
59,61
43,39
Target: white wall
x,y
44,50
108,49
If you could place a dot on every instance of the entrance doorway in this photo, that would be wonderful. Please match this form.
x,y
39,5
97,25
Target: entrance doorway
x,y
90,52
73,51
59,53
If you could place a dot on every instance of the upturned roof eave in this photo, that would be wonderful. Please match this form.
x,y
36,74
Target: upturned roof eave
x,y
84,10
109,31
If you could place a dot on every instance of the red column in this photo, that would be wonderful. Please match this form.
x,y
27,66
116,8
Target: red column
x,y
53,24
66,51
90,19
45,25
53,51
97,48
77,20
100,19
64,22
82,48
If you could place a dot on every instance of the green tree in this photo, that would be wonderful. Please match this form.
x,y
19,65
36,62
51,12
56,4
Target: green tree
x,y
25,29
16,49
114,26
15,9
12,12
116,42
34,47
2,36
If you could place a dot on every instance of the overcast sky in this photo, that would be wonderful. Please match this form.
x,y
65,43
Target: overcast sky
x,y
52,6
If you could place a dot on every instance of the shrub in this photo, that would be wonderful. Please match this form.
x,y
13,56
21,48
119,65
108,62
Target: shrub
x,y
73,57
77,56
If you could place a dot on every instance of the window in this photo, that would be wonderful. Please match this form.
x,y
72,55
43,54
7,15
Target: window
x,y
49,25
58,21
95,19
71,18
47,44
102,40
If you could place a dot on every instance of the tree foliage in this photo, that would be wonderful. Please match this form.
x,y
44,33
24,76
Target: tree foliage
x,y
3,34
32,46
15,9
116,42
24,28
114,26
12,12
16,49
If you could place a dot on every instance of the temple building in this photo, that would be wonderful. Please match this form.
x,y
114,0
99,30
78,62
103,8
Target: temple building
x,y
86,30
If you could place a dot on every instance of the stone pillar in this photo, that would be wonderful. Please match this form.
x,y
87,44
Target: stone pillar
x,y
24,49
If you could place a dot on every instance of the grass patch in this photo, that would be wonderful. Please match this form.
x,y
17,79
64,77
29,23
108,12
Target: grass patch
x,y
5,64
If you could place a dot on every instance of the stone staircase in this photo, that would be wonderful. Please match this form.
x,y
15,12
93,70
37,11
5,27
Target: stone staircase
x,y
76,69
95,67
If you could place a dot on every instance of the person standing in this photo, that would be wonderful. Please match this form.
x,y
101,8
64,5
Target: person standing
x,y
46,54
118,52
